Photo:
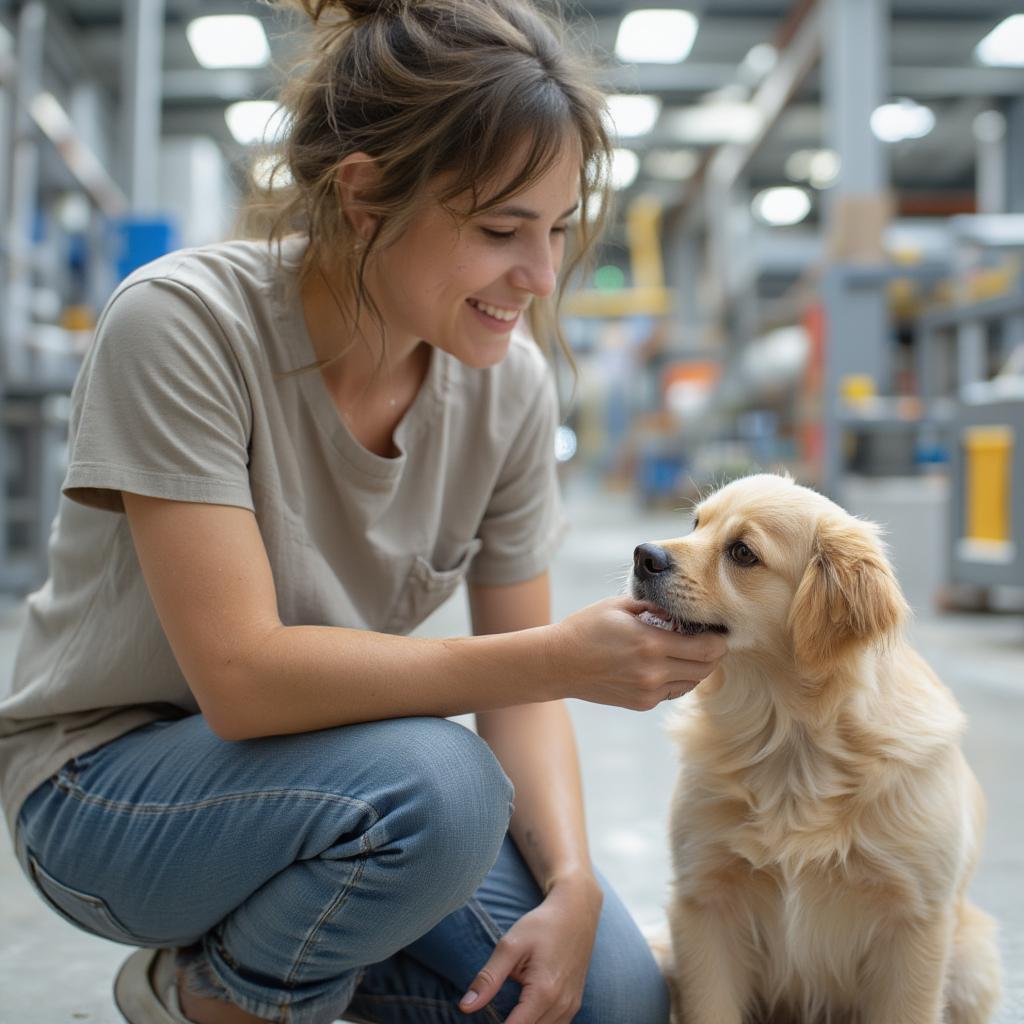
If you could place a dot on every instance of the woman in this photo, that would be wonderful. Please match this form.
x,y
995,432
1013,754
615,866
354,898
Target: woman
x,y
219,747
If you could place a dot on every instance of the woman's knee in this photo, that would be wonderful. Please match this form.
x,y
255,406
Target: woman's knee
x,y
631,989
624,982
458,798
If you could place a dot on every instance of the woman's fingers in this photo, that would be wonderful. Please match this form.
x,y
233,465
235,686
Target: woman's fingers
x,y
679,689
484,987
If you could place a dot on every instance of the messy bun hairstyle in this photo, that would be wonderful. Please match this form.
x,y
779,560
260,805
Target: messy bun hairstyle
x,y
427,87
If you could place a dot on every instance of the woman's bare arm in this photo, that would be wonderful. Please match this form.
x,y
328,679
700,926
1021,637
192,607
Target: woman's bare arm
x,y
209,577
208,574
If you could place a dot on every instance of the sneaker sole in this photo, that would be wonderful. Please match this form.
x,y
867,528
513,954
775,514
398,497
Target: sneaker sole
x,y
134,995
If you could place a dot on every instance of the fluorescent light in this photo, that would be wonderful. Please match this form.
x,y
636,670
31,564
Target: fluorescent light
x,y
825,167
798,165
73,212
633,115
1004,45
781,207
713,124
270,171
625,167
656,37
904,119
255,121
820,167
671,164
228,41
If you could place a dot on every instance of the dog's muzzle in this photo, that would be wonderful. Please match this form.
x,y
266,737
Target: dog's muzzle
x,y
649,561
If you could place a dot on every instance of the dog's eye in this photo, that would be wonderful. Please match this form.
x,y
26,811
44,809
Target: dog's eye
x,y
741,554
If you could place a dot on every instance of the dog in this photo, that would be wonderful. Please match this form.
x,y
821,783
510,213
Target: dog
x,y
825,824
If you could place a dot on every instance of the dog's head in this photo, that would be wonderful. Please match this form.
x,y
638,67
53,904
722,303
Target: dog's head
x,y
779,569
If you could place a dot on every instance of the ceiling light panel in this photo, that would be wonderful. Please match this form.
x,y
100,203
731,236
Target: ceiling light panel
x,y
819,167
671,164
903,119
713,124
1004,45
253,122
228,41
269,171
625,167
781,207
656,36
633,115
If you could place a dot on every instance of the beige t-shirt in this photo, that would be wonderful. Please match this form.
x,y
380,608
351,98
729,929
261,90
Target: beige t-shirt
x,y
177,399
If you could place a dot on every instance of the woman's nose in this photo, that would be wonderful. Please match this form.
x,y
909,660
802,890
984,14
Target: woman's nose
x,y
538,275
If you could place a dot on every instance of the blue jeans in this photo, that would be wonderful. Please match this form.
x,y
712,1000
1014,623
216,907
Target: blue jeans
x,y
363,871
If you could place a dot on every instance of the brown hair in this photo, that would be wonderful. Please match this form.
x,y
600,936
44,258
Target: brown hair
x,y
426,87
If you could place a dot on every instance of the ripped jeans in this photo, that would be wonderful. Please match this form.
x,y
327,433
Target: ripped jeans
x,y
364,871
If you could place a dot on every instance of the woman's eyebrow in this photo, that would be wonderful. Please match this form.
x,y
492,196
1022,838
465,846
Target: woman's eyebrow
x,y
527,214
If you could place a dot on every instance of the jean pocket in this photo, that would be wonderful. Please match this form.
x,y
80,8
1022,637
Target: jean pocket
x,y
89,913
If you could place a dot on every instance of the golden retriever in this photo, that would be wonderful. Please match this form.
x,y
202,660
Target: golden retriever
x,y
825,824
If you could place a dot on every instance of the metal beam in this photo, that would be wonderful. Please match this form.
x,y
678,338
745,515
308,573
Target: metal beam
x,y
24,179
1015,154
855,73
226,85
140,100
771,98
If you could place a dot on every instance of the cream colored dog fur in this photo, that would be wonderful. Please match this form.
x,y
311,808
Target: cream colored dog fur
x,y
825,824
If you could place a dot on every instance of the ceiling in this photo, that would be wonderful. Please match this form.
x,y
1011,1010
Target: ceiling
x,y
931,49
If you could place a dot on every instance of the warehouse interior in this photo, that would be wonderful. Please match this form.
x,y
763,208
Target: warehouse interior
x,y
814,264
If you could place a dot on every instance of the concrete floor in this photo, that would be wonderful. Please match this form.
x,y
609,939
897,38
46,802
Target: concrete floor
x,y
50,973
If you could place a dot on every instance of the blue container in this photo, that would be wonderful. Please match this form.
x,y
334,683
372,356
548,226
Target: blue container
x,y
140,240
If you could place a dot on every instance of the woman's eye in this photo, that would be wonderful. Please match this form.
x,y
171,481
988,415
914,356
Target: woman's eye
x,y
741,554
504,236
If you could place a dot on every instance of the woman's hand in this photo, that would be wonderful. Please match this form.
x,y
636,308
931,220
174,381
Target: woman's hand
x,y
605,654
548,952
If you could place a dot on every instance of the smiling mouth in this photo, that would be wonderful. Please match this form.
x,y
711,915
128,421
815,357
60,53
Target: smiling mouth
x,y
496,313
662,620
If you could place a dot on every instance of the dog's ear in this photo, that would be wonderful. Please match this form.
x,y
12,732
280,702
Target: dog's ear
x,y
848,596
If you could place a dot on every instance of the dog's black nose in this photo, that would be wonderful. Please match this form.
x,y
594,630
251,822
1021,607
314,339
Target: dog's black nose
x,y
649,560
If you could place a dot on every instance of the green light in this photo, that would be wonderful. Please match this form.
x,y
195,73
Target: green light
x,y
609,278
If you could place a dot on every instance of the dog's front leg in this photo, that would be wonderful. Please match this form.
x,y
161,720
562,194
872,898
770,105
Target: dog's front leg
x,y
906,973
713,972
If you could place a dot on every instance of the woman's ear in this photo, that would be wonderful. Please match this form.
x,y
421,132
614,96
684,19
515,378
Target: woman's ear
x,y
356,177
848,596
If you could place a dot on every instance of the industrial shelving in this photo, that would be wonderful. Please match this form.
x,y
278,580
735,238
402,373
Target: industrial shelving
x,y
44,158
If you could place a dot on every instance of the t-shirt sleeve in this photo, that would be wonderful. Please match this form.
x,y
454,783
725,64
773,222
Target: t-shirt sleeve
x,y
160,406
524,521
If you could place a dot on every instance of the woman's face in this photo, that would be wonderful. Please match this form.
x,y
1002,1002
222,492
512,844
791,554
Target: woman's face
x,y
464,287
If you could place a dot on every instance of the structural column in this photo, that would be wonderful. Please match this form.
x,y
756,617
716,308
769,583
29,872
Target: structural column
x,y
1015,155
855,82
141,98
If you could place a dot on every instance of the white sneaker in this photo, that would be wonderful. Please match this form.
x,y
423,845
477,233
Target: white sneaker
x,y
146,990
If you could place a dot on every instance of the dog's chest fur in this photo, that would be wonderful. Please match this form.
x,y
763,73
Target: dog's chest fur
x,y
786,828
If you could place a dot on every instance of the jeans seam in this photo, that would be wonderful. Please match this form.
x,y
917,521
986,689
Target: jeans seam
x,y
336,904
72,789
477,909
428,1003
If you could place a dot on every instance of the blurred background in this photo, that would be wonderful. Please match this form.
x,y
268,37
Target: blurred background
x,y
814,259
815,263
